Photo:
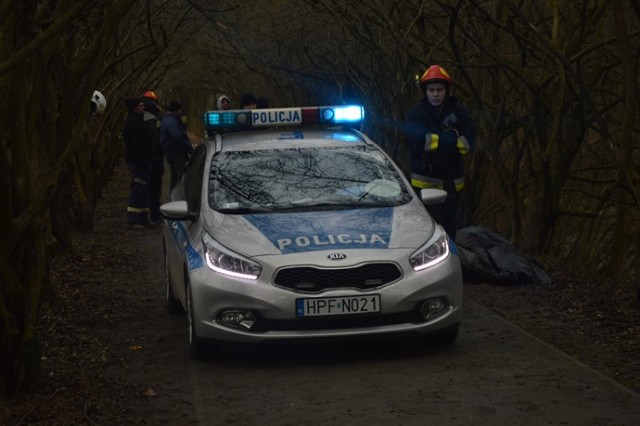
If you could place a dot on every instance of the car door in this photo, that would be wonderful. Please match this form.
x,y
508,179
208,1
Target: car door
x,y
190,190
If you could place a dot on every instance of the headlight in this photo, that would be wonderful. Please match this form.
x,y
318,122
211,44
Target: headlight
x,y
430,254
226,262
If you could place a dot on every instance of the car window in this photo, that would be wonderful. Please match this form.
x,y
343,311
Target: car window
x,y
304,178
193,177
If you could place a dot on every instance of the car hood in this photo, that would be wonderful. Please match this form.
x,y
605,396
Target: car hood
x,y
407,226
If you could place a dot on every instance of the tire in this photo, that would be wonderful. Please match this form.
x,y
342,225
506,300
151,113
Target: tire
x,y
444,337
197,348
173,304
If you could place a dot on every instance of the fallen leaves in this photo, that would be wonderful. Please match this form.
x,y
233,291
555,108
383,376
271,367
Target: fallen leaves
x,y
149,392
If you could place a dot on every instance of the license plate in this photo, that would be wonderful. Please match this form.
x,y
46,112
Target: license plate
x,y
343,305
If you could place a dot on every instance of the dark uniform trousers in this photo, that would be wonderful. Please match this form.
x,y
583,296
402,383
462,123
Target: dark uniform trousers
x,y
138,209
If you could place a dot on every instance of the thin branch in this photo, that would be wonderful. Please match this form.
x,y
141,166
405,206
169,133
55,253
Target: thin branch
x,y
59,25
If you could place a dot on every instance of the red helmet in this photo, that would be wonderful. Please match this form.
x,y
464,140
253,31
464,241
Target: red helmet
x,y
151,95
435,73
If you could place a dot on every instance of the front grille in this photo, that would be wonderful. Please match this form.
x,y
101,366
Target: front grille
x,y
313,280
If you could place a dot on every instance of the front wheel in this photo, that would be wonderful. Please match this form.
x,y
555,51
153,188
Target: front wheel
x,y
197,349
173,304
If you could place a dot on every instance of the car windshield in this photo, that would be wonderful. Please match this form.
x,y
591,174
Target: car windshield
x,y
304,179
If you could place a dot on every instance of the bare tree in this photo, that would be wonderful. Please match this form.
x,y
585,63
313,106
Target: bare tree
x,y
56,156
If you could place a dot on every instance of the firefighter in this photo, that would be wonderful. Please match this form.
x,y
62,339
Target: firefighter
x,y
139,152
439,132
152,116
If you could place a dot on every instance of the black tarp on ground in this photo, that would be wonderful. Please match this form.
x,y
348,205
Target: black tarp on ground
x,y
489,258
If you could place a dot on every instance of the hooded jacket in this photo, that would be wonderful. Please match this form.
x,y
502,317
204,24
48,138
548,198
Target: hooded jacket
x,y
220,99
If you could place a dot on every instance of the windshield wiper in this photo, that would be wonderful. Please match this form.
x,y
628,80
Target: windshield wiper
x,y
244,210
318,205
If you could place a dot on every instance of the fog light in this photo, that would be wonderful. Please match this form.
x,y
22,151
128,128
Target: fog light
x,y
239,319
433,307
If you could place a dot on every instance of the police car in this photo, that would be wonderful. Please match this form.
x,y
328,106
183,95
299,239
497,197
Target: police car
x,y
292,224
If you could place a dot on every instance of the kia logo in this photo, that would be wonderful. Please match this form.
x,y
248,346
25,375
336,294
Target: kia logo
x,y
337,256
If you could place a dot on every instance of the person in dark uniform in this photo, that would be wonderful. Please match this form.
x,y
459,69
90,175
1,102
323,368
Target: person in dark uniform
x,y
439,132
152,117
139,152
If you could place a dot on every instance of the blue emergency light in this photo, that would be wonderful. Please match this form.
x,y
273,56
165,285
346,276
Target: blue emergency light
x,y
283,117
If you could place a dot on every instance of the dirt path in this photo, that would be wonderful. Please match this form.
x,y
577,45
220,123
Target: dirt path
x,y
112,355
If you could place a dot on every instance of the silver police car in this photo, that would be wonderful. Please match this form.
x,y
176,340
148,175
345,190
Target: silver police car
x,y
292,224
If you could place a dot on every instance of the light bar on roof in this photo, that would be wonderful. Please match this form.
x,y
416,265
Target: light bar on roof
x,y
283,117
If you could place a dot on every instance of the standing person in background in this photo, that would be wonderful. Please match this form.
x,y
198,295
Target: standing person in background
x,y
248,101
262,103
139,153
439,132
223,103
175,142
152,117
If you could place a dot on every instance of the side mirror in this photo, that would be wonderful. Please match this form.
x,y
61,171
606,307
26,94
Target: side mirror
x,y
431,196
177,210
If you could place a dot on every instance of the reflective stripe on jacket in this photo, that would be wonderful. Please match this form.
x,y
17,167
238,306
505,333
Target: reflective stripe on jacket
x,y
420,181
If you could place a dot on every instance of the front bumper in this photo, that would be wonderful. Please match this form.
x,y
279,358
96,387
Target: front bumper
x,y
274,308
